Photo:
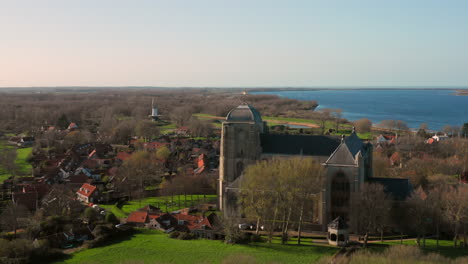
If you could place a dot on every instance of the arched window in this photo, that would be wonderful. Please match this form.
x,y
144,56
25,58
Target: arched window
x,y
333,237
340,196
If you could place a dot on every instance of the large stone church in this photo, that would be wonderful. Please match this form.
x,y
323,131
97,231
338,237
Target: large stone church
x,y
245,140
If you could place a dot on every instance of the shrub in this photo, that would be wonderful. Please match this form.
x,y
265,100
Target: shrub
x,y
174,234
185,236
111,218
256,238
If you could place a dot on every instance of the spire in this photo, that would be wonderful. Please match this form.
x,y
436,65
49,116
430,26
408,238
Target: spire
x,y
244,97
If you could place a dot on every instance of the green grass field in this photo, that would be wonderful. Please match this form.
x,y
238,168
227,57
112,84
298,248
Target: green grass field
x,y
22,156
175,203
154,247
445,249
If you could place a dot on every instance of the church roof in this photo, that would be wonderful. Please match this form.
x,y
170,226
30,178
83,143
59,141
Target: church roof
x,y
400,189
342,156
347,151
299,144
354,144
243,113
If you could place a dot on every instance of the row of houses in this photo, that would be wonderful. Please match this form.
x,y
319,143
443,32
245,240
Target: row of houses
x,y
153,218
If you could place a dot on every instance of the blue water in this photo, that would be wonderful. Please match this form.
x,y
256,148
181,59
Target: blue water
x,y
437,108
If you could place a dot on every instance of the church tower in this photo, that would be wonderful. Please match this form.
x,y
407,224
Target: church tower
x,y
240,147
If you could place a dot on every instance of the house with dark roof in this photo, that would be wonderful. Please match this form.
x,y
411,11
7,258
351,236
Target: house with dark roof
x,y
245,140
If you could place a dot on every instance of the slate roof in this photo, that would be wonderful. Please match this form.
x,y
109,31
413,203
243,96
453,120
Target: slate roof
x,y
400,189
354,144
342,156
297,144
244,112
338,223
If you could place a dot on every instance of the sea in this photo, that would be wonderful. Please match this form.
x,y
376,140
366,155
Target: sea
x,y
436,108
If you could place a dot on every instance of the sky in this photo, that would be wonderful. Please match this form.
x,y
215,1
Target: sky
x,y
225,43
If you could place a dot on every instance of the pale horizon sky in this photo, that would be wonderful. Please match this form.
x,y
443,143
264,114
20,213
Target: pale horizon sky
x,y
225,43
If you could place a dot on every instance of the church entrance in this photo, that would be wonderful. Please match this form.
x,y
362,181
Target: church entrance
x,y
340,196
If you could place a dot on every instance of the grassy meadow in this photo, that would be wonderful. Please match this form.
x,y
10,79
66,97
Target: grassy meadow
x,y
173,203
22,154
445,249
154,247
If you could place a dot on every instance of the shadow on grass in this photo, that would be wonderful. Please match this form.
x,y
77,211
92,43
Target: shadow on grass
x,y
294,248
114,239
446,251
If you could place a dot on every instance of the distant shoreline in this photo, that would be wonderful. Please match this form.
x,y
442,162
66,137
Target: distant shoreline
x,y
462,92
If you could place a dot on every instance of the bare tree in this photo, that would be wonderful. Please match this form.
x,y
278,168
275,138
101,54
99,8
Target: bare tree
x,y
455,202
14,216
363,125
337,115
293,187
370,208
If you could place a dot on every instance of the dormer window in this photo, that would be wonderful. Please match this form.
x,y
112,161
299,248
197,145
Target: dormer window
x,y
181,222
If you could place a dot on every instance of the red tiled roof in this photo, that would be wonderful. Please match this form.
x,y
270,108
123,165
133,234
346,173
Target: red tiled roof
x,y
72,125
190,221
395,157
138,217
205,222
123,155
86,189
91,154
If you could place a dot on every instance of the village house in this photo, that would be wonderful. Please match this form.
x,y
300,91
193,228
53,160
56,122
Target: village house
x,y
88,193
386,139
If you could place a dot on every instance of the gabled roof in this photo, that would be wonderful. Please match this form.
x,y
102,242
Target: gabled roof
x,y
299,144
72,126
347,151
150,209
354,144
86,189
342,155
138,217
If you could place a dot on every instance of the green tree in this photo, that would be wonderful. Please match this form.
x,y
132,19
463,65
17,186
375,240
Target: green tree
x,y
163,153
63,122
111,218
90,214
147,130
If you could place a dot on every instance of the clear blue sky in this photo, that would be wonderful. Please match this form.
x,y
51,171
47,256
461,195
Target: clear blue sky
x,y
233,43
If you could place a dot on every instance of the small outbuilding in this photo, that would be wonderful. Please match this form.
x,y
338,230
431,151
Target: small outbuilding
x,y
338,234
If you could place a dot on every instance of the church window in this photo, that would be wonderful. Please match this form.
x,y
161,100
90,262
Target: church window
x,y
340,196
